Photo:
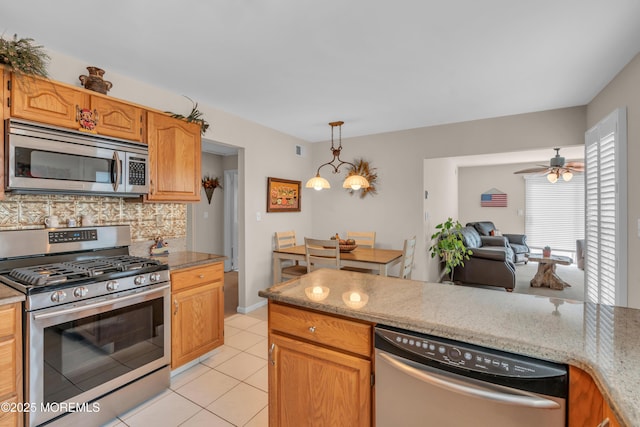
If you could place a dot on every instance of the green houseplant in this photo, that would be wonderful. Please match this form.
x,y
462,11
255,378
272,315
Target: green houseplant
x,y
449,246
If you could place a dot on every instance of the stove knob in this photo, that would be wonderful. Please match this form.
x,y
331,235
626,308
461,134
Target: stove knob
x,y
80,292
58,296
154,277
112,285
139,280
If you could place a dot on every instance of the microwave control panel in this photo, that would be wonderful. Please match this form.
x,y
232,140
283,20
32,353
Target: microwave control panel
x,y
137,171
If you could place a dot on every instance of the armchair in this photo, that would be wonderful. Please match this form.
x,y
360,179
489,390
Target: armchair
x,y
491,261
517,242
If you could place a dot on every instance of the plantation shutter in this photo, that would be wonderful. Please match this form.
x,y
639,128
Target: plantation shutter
x,y
606,211
555,212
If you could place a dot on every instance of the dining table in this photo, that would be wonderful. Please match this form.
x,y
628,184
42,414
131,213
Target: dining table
x,y
377,260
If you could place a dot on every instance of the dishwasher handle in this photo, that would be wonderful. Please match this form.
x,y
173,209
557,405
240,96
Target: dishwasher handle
x,y
526,400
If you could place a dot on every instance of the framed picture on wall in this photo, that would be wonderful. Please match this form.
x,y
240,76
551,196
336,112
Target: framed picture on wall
x,y
283,195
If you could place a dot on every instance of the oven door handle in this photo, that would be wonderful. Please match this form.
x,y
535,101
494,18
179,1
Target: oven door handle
x,y
526,400
98,304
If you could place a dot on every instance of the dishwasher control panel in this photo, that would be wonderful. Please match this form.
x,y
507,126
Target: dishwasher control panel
x,y
466,356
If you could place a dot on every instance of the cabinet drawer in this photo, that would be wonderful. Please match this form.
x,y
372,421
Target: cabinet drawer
x,y
7,320
185,278
346,335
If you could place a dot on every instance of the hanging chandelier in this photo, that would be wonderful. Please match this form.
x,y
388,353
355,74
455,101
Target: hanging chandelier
x,y
353,181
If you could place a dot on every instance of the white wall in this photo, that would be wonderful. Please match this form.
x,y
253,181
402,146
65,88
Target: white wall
x,y
206,233
397,211
473,181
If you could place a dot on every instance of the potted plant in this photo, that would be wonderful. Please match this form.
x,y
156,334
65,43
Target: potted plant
x,y
449,246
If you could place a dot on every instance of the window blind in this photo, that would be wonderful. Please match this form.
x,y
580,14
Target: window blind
x,y
606,211
555,212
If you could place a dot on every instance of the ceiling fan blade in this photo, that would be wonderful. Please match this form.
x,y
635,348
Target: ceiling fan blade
x,y
577,165
544,169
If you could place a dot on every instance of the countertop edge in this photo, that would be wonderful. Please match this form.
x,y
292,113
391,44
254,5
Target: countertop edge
x,y
575,358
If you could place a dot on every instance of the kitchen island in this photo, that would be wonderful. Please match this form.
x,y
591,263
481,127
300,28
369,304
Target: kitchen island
x,y
601,340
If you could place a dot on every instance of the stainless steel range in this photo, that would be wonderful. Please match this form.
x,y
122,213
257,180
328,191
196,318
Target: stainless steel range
x,y
96,322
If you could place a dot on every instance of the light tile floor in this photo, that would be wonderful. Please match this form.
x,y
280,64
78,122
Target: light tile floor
x,y
227,389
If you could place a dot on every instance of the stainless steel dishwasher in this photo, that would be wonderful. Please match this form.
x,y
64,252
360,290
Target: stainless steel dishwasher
x,y
422,380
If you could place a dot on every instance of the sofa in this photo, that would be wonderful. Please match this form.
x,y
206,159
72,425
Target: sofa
x,y
490,263
517,242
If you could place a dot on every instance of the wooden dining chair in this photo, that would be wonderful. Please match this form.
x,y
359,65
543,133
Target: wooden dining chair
x,y
365,239
322,253
406,262
287,239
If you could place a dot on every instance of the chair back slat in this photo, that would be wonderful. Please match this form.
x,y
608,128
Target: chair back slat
x,y
365,239
322,253
406,262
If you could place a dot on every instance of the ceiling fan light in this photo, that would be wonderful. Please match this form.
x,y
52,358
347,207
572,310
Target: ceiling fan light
x,y
552,177
355,182
318,183
567,175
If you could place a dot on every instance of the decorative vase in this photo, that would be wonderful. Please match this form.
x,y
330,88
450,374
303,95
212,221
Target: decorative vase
x,y
209,193
94,81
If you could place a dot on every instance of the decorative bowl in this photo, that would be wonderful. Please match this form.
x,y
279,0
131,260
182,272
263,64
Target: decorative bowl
x,y
347,248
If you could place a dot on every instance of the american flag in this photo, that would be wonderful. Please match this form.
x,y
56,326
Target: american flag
x,y
493,200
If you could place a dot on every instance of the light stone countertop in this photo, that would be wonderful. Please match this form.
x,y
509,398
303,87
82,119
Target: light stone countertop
x,y
8,295
185,259
602,340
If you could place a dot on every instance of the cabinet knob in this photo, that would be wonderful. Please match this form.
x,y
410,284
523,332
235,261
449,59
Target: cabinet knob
x,y
604,423
175,307
201,276
312,329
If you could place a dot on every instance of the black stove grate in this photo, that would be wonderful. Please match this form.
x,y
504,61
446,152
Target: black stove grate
x,y
49,274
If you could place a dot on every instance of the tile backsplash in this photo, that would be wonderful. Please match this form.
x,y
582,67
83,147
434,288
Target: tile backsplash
x,y
147,220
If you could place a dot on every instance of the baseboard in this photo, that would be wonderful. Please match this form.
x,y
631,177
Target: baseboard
x,y
245,310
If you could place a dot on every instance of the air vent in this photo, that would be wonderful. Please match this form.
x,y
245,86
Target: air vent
x,y
299,151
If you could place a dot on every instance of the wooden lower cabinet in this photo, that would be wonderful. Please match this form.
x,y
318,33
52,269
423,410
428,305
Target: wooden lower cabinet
x,y
197,321
587,406
310,381
11,362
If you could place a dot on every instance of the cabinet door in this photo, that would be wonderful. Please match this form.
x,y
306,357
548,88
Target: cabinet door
x,y
197,322
313,385
174,159
45,101
118,119
11,361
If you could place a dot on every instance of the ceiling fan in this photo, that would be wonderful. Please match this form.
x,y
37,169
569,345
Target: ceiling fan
x,y
557,168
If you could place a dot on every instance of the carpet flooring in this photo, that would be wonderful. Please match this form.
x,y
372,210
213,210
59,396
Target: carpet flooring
x,y
525,272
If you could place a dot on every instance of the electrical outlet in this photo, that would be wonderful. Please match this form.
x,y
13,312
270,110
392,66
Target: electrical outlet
x,y
258,216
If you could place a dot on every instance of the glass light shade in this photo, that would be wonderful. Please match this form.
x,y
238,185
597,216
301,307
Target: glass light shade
x,y
567,176
317,293
552,178
318,183
354,299
355,182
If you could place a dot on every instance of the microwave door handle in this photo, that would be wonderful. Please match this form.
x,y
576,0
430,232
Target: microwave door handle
x,y
115,181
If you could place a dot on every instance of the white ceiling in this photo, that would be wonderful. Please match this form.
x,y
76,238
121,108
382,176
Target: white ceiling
x,y
378,65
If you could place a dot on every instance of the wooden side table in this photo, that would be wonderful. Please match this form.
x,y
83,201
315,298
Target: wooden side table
x,y
546,275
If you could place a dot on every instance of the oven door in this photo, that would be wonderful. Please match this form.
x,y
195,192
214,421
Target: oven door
x,y
75,353
45,164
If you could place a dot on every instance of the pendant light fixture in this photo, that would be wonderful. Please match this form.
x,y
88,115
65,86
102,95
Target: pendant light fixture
x,y
354,182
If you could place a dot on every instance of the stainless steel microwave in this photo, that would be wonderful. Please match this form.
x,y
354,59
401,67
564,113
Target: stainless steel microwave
x,y
47,159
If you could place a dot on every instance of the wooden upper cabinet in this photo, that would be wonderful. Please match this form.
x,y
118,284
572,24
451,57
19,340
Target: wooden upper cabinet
x,y
45,101
118,119
174,159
